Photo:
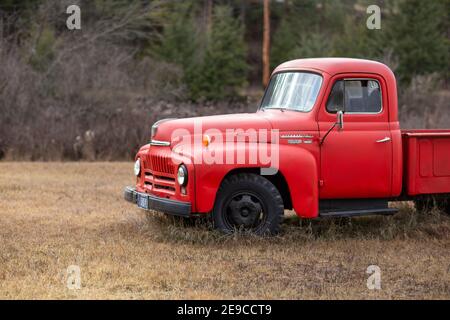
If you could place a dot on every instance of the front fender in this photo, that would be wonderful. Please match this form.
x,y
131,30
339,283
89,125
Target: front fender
x,y
297,165
299,168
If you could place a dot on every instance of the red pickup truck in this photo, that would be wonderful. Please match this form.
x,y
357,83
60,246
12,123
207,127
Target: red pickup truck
x,y
325,142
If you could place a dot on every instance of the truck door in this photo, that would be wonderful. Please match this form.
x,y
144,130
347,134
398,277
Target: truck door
x,y
356,161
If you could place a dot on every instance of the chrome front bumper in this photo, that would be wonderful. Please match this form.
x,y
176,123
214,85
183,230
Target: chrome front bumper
x,y
150,202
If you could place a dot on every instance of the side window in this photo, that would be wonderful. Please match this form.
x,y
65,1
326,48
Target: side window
x,y
357,96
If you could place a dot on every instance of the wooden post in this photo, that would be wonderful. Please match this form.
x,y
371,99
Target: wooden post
x,y
266,44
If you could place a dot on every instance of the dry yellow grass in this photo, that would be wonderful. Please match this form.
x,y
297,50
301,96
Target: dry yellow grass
x,y
53,215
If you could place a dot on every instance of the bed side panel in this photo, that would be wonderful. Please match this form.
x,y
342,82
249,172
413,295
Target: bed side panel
x,y
427,162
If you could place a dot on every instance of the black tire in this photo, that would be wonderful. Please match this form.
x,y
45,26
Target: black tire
x,y
446,206
248,202
423,205
427,204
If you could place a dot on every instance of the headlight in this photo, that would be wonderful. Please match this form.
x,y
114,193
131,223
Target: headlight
x,y
137,167
182,175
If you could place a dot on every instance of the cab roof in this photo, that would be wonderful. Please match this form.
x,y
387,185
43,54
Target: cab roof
x,y
334,66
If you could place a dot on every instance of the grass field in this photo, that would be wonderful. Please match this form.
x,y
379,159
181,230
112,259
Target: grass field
x,y
53,215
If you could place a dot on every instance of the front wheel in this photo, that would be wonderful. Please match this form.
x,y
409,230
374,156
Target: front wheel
x,y
248,202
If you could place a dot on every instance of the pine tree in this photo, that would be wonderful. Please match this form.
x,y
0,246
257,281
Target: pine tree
x,y
179,38
284,44
419,39
307,29
357,41
224,69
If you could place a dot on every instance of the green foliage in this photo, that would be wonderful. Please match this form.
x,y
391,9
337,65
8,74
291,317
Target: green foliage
x,y
302,31
357,41
419,39
43,51
213,62
179,39
223,71
283,45
313,45
305,45
414,30
18,5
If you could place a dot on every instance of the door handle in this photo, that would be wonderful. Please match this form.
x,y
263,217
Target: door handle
x,y
385,139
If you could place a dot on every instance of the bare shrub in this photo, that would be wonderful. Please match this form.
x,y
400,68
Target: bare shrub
x,y
86,95
423,105
101,90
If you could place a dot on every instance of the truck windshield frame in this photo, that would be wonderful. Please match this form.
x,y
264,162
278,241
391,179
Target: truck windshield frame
x,y
292,90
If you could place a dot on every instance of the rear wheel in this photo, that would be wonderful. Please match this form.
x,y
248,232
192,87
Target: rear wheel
x,y
248,202
427,204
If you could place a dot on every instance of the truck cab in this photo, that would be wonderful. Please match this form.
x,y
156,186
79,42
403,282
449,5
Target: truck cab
x,y
325,142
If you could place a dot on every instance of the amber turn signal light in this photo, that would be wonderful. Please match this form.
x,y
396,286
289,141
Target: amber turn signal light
x,y
206,140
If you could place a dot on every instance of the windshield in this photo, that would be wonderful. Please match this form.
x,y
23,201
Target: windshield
x,y
292,90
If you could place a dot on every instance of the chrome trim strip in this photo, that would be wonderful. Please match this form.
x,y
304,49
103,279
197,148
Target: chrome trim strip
x,y
289,136
160,143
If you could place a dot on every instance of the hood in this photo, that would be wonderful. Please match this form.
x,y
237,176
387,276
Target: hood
x,y
288,120
199,125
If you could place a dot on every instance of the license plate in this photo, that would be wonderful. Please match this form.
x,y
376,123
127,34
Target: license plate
x,y
142,201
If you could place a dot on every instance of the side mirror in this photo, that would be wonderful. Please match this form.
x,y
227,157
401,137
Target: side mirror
x,y
340,120
339,123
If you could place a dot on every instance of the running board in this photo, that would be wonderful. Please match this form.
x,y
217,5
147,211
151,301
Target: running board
x,y
358,213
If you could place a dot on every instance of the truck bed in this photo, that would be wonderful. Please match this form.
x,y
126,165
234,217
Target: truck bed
x,y
426,155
